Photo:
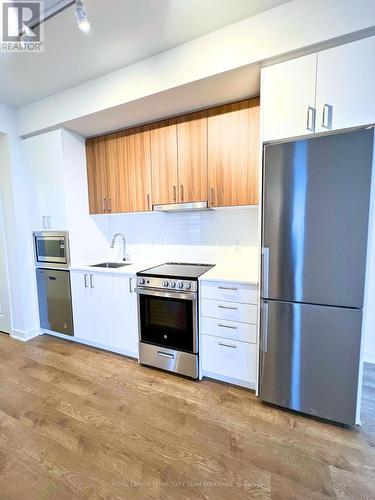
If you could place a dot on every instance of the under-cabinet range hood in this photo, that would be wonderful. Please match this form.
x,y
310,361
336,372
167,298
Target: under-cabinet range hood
x,y
182,207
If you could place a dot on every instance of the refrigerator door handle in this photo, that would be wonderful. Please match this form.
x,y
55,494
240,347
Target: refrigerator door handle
x,y
265,271
264,329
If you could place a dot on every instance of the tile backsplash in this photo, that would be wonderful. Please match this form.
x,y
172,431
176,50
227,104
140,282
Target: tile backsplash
x,y
206,236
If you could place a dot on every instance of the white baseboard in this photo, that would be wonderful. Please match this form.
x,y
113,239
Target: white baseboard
x,y
370,357
24,336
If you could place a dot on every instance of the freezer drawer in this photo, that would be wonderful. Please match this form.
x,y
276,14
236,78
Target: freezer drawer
x,y
316,196
55,301
309,358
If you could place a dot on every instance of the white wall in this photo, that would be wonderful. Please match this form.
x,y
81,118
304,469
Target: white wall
x,y
88,241
18,238
293,26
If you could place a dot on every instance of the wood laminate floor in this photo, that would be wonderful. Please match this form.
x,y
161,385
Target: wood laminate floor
x,y
76,422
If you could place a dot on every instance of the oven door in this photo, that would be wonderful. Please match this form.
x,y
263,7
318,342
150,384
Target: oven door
x,y
51,249
168,319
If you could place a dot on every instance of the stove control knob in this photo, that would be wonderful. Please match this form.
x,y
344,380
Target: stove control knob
x,y
165,283
188,285
180,284
141,281
172,284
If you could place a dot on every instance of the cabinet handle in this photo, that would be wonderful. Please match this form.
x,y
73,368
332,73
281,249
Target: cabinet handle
x,y
44,221
165,355
265,265
182,192
264,327
227,288
174,193
227,326
109,204
49,221
148,202
130,285
104,205
92,280
211,196
327,116
227,345
227,307
86,280
310,118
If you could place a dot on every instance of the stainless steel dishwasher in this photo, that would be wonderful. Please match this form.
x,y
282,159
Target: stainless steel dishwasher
x,y
55,300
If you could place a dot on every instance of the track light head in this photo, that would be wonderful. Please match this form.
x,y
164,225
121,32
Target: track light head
x,y
81,16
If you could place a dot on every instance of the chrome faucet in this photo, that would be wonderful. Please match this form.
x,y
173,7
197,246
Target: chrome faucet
x,y
124,255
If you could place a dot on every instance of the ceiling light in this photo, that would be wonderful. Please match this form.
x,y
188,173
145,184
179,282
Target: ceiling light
x,y
81,16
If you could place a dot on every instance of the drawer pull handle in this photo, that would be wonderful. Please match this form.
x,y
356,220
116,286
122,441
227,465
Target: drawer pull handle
x,y
228,288
227,307
227,326
165,355
228,345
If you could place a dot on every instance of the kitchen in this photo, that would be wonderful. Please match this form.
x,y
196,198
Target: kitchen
x,y
183,239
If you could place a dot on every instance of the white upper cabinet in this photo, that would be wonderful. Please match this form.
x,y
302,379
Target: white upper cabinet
x,y
345,95
328,90
44,158
288,98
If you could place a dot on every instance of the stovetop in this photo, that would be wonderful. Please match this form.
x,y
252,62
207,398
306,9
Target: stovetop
x,y
177,270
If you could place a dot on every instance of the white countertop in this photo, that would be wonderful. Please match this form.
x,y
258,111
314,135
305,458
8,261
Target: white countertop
x,y
241,271
235,270
128,270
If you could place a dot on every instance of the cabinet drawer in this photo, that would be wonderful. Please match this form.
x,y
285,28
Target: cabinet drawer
x,y
231,292
229,330
229,358
231,311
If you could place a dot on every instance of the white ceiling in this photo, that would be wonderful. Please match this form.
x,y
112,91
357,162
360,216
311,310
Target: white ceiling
x,y
122,32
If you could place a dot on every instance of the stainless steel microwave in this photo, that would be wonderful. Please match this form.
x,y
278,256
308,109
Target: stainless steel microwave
x,y
51,249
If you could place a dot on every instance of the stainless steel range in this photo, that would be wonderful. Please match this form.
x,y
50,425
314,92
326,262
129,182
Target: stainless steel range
x,y
168,317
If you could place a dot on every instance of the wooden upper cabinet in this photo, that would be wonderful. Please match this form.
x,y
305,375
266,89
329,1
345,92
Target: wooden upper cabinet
x,y
192,157
164,162
112,202
234,154
96,174
135,170
210,155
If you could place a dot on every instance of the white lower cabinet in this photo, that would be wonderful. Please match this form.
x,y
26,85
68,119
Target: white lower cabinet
x,y
125,314
228,327
229,358
105,310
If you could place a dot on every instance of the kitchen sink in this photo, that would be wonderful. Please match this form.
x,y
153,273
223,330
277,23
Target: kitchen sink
x,y
112,265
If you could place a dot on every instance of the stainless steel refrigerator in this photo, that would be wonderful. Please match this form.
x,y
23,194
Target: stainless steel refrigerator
x,y
316,198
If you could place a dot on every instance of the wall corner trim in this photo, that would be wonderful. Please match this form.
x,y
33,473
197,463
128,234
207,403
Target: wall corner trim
x,y
24,336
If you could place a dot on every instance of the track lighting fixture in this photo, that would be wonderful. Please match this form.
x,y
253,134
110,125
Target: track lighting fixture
x,y
81,16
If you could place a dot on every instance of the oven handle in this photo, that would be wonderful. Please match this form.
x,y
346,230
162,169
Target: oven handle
x,y
165,355
167,294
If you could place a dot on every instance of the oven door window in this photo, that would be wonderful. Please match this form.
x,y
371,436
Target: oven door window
x,y
167,322
50,249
